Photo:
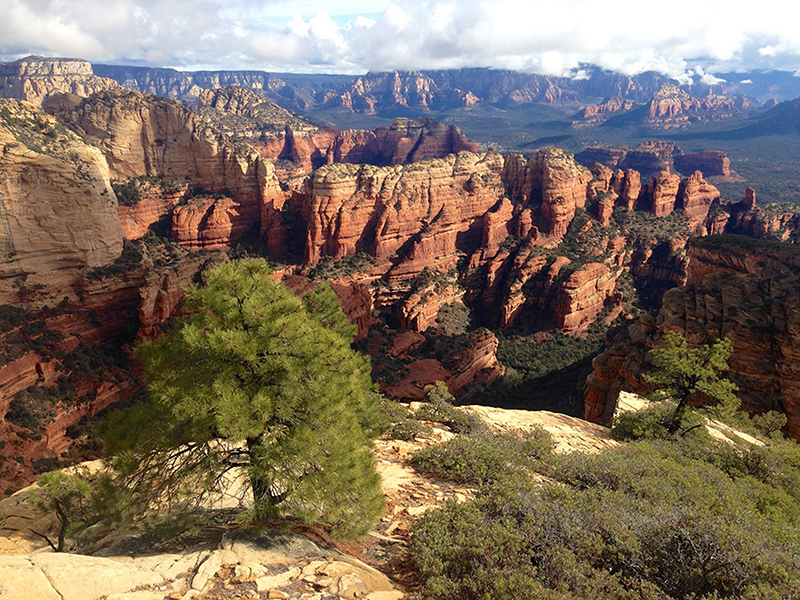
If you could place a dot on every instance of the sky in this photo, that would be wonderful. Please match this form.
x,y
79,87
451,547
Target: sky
x,y
686,39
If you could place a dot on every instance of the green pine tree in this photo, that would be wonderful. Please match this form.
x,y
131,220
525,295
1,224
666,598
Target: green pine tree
x,y
692,375
257,382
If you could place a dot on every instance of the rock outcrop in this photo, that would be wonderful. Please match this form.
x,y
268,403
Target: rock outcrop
x,y
663,192
583,296
35,78
404,141
425,211
697,196
552,184
147,136
470,364
711,163
61,365
599,113
244,114
737,288
58,213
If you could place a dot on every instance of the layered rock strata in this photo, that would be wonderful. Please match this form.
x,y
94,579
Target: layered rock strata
x,y
58,213
147,136
35,78
424,211
737,288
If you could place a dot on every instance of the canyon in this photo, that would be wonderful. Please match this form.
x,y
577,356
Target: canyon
x,y
111,203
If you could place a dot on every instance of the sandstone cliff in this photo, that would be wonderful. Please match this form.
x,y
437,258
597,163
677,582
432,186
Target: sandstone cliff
x,y
244,114
57,211
62,365
426,210
150,136
737,288
35,78
404,141
552,184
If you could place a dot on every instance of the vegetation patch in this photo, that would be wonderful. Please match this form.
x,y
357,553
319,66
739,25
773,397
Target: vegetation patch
x,y
680,518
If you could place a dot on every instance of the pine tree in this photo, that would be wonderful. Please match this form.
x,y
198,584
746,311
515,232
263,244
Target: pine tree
x,y
257,382
687,374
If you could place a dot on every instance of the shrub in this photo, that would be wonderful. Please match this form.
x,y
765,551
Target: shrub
x,y
683,519
483,458
649,423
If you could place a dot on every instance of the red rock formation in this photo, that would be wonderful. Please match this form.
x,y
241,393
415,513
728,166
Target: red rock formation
x,y
497,227
582,296
618,367
697,196
67,380
420,310
162,289
149,136
156,201
711,163
355,297
425,207
476,363
739,289
631,189
663,191
35,78
598,113
671,107
552,183
405,141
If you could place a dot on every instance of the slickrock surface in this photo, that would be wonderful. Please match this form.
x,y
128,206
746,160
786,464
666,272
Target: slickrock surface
x,y
275,564
570,434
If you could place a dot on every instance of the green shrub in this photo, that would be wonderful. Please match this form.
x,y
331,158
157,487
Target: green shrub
x,y
127,192
683,519
408,430
483,458
457,419
649,423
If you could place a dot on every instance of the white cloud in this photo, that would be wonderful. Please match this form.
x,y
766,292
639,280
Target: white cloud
x,y
359,35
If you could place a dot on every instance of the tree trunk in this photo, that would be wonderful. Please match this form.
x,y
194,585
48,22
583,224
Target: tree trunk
x,y
262,488
677,416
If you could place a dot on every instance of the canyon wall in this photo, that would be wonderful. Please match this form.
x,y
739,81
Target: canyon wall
x,y
737,288
58,213
35,78
147,136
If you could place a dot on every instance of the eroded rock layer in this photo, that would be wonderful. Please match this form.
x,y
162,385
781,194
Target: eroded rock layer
x,y
58,213
737,288
147,136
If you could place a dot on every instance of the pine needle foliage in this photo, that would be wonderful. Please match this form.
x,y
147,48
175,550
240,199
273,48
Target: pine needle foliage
x,y
260,395
692,375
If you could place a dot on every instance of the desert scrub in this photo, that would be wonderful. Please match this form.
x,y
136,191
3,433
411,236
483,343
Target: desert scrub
x,y
654,519
457,419
403,424
484,458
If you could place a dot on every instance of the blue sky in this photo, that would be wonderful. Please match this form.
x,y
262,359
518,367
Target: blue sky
x,y
683,38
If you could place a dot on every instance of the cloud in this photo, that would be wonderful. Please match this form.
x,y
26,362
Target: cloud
x,y
691,40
